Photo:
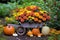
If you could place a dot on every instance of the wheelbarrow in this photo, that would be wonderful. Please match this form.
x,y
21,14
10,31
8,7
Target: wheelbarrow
x,y
21,27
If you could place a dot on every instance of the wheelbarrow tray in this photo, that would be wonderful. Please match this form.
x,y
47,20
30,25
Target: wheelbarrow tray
x,y
27,25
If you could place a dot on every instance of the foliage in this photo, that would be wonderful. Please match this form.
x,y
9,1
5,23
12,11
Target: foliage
x,y
6,8
10,20
1,28
55,21
2,38
58,37
51,38
54,37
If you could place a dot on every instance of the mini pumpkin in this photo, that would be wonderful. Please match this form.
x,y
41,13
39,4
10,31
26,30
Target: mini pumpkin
x,y
9,30
35,31
29,33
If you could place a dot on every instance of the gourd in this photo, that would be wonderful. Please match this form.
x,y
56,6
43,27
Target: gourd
x,y
45,30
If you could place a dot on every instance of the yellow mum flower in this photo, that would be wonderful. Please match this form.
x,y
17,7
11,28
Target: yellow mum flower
x,y
39,7
11,19
37,14
32,17
21,9
43,11
28,11
25,9
32,6
29,17
14,14
19,13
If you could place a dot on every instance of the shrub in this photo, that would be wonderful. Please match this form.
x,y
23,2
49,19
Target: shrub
x,y
6,8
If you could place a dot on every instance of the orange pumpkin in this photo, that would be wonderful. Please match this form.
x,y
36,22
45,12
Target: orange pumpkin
x,y
35,31
29,33
9,30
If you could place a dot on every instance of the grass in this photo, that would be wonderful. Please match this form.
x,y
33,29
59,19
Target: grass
x,y
58,37
2,38
54,37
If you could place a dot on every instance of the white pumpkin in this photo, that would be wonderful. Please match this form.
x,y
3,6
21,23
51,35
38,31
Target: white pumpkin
x,y
45,30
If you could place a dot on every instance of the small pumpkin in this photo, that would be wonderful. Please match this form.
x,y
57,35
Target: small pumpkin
x,y
35,31
9,30
29,33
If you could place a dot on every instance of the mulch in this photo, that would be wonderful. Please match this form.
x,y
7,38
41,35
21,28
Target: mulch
x,y
24,37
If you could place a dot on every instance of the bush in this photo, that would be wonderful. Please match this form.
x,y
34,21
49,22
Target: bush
x,y
6,8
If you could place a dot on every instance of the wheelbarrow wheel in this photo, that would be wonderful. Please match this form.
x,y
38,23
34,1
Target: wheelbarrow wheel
x,y
21,31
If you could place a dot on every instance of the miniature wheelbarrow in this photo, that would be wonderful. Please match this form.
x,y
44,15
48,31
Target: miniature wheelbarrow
x,y
21,28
